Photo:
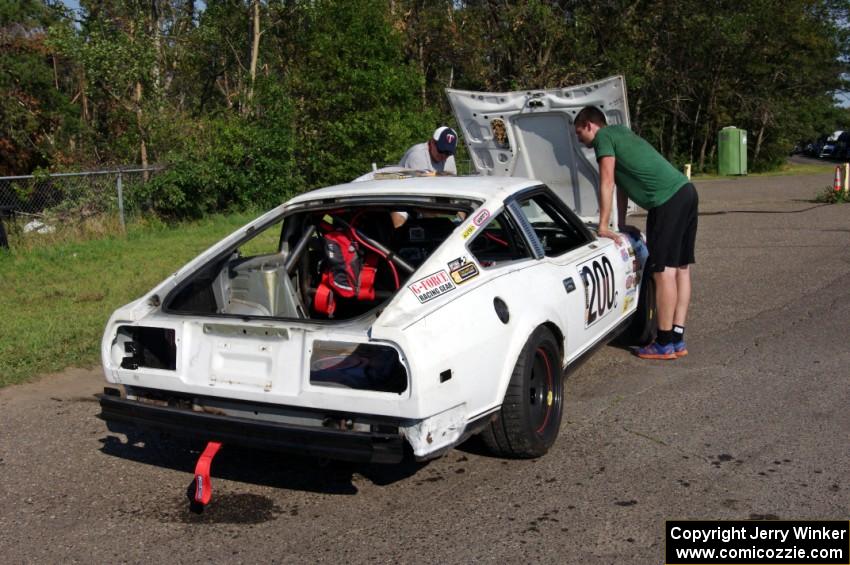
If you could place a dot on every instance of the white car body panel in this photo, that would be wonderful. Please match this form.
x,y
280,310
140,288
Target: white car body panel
x,y
457,354
268,361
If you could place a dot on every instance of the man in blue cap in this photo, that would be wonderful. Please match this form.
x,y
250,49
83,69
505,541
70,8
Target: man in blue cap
x,y
437,154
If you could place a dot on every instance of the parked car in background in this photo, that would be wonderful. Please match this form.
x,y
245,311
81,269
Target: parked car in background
x,y
818,145
842,146
829,148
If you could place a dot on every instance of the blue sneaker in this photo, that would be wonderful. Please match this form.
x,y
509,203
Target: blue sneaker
x,y
657,351
679,348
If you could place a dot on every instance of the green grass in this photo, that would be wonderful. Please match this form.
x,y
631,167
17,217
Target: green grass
x,y
56,299
785,170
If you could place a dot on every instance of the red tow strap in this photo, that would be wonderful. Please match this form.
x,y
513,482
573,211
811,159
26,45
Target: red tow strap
x,y
324,302
203,484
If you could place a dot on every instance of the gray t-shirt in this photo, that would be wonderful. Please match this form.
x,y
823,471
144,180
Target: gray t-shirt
x,y
418,158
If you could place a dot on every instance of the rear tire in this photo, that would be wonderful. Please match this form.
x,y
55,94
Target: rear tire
x,y
530,418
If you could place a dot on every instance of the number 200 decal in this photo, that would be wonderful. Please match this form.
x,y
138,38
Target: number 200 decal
x,y
600,294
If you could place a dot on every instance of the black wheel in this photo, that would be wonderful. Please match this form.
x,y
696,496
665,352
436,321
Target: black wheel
x,y
530,418
644,323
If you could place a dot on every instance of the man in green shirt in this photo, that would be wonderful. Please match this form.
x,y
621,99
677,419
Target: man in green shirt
x,y
643,175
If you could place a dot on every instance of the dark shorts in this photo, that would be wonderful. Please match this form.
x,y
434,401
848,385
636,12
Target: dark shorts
x,y
671,230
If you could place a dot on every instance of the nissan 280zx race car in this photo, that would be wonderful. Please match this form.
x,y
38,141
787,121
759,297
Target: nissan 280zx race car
x,y
324,329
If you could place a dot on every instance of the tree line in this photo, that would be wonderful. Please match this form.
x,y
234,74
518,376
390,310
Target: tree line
x,y
251,101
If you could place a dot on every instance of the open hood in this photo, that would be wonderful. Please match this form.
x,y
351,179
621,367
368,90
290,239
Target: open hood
x,y
529,133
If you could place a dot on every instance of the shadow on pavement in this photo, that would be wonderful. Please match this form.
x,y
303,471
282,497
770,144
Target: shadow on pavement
x,y
253,466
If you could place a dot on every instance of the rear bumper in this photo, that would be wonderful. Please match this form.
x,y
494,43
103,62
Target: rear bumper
x,y
370,447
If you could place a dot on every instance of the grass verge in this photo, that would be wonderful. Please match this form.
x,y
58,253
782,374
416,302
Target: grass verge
x,y
831,196
56,299
788,168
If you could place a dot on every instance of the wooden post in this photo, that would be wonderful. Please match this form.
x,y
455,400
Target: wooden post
x,y
6,212
4,241
119,187
688,171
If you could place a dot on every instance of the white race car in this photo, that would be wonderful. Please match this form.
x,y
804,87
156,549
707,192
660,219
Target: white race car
x,y
323,328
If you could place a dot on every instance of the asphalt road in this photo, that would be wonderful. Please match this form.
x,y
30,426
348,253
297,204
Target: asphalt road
x,y
753,424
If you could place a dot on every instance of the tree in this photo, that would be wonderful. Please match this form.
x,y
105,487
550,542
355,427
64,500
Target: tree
x,y
230,162
36,117
356,98
275,96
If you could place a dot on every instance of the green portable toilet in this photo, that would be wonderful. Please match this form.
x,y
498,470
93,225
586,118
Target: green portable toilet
x,y
732,151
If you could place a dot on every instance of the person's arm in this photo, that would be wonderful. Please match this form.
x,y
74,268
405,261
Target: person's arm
x,y
622,208
622,205
606,198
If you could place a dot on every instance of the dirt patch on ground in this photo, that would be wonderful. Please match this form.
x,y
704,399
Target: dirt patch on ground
x,y
70,384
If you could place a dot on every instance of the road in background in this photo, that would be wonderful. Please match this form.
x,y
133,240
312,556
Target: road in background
x,y
752,424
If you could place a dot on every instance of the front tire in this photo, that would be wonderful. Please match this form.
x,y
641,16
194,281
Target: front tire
x,y
530,418
644,322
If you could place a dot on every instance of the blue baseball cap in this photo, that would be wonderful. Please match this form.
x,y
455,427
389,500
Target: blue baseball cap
x,y
446,140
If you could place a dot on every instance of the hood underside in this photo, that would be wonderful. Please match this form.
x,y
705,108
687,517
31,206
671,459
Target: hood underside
x,y
529,133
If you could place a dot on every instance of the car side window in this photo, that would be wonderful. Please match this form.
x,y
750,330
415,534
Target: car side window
x,y
557,233
264,242
498,242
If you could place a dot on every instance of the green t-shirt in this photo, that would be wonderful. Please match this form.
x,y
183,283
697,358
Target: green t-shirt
x,y
639,169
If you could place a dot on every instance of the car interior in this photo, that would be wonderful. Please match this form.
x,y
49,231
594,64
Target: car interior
x,y
320,264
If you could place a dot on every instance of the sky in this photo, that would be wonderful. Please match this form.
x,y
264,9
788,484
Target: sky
x,y
73,4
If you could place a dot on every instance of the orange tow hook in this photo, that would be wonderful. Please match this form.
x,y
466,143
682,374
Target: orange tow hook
x,y
200,491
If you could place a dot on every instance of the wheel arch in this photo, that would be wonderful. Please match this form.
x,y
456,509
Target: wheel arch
x,y
507,433
513,356
559,336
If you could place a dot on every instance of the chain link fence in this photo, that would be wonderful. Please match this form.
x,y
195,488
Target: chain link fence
x,y
97,201
42,203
